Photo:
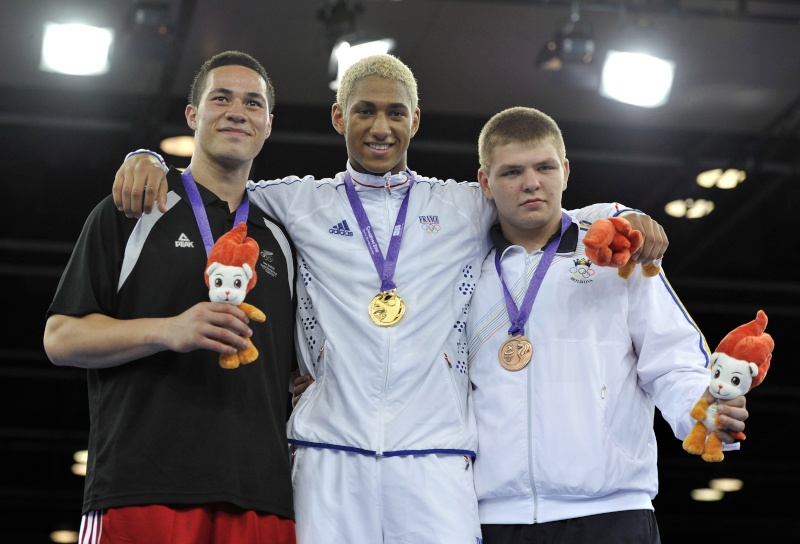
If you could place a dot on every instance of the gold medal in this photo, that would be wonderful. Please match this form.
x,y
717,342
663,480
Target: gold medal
x,y
515,353
386,309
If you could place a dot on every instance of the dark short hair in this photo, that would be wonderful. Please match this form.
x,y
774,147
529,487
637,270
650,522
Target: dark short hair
x,y
229,58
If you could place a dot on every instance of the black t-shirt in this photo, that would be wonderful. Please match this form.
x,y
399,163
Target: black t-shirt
x,y
176,428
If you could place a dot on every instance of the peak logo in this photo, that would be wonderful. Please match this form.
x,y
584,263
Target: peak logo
x,y
183,241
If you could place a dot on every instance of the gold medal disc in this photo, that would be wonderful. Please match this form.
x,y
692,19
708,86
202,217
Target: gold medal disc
x,y
386,309
515,353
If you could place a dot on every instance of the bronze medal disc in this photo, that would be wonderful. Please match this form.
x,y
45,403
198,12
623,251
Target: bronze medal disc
x,y
386,309
515,353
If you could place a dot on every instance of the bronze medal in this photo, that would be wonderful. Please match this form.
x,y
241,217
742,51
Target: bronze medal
x,y
515,353
386,309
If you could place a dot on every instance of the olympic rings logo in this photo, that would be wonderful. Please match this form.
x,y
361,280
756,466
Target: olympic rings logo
x,y
583,272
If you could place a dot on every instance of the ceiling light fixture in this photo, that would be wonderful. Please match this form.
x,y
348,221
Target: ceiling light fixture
x,y
637,78
75,49
178,146
726,484
637,69
689,208
348,46
573,44
350,49
79,466
722,179
64,536
707,495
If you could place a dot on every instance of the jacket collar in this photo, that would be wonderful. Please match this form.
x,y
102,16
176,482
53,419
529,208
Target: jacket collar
x,y
568,244
388,180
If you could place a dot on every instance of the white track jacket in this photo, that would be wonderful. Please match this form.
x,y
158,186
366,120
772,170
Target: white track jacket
x,y
571,434
385,390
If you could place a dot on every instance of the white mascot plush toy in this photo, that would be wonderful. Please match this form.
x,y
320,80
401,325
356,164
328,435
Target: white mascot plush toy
x,y
230,274
739,363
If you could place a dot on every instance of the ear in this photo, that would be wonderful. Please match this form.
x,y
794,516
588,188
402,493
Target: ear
x,y
191,116
566,174
211,268
248,272
337,118
268,130
415,122
753,369
483,180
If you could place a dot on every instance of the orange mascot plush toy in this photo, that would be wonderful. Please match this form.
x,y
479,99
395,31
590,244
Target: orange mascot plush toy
x,y
611,242
739,363
230,274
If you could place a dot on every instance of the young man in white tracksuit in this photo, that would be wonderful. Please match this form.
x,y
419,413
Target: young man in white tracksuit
x,y
566,378
383,440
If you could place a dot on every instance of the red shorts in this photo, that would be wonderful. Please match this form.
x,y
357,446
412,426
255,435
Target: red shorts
x,y
158,524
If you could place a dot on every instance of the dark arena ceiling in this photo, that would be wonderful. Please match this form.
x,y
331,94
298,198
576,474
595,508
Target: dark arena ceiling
x,y
735,103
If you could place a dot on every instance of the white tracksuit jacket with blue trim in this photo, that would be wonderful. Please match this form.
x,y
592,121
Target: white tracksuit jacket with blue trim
x,y
385,390
571,434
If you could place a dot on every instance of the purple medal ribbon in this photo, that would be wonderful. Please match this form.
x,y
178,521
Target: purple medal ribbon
x,y
200,211
519,317
385,267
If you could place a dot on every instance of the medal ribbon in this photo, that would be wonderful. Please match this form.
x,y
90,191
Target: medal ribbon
x,y
200,211
384,267
519,316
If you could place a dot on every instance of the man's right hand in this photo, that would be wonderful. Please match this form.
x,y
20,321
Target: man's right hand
x,y
139,183
214,326
301,383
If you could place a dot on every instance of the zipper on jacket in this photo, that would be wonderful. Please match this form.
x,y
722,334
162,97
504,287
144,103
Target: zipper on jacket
x,y
530,447
453,383
381,417
319,355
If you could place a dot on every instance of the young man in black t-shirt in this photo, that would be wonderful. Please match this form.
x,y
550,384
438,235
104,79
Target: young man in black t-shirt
x,y
178,446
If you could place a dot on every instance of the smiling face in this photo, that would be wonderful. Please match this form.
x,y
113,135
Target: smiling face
x,y
525,181
730,378
378,123
228,284
231,120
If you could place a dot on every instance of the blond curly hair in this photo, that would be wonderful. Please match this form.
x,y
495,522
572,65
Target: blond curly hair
x,y
385,66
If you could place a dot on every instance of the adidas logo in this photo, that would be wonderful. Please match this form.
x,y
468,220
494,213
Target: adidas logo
x,y
183,241
341,229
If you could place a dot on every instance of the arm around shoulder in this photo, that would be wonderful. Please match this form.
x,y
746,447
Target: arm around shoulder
x,y
654,238
655,241
140,183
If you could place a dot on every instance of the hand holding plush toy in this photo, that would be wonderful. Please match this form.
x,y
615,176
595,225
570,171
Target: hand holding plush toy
x,y
739,363
611,242
230,274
